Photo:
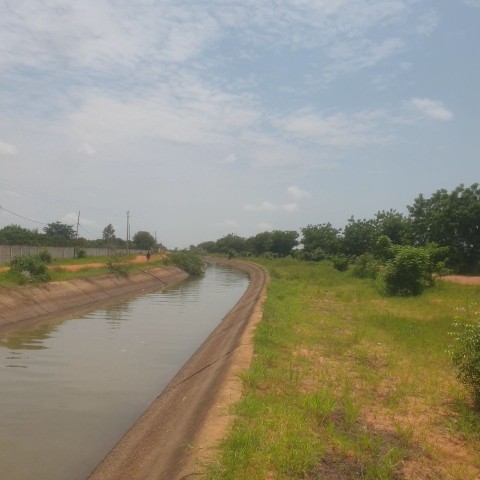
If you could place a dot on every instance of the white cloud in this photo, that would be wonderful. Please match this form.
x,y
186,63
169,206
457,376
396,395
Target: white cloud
x,y
229,159
335,130
290,207
433,109
87,149
7,149
472,3
264,226
231,223
262,207
297,193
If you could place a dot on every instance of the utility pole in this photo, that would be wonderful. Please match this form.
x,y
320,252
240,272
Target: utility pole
x,y
76,236
128,232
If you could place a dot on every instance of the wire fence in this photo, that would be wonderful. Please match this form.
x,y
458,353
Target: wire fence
x,y
9,252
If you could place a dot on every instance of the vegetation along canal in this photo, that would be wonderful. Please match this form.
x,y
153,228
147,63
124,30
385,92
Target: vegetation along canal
x,y
70,390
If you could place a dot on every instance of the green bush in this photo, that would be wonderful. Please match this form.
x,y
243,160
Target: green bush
x,y
408,273
45,256
29,269
117,267
340,263
366,266
80,253
465,354
188,261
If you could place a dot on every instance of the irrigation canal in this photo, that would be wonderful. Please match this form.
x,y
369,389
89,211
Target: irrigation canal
x,y
70,390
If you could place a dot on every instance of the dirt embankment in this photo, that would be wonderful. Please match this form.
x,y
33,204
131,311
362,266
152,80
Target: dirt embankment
x,y
37,304
181,426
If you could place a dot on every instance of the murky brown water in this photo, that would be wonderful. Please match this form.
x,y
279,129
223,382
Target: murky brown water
x,y
69,391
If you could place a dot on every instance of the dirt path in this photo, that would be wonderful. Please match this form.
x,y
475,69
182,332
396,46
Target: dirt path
x,y
171,437
463,279
82,266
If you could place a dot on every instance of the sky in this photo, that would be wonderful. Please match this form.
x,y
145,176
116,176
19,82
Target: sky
x,y
222,116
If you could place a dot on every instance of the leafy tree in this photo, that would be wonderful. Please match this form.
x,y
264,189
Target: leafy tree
x,y
408,273
144,240
108,234
207,247
231,242
394,225
260,243
283,242
323,236
450,220
359,236
59,233
17,235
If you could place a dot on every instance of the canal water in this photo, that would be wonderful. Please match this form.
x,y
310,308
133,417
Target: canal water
x,y
69,391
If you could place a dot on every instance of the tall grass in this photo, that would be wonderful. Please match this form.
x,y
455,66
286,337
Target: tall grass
x,y
346,383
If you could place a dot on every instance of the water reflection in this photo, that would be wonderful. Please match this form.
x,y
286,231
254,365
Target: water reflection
x,y
70,390
31,339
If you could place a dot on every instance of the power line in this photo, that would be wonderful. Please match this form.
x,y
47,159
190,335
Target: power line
x,y
21,216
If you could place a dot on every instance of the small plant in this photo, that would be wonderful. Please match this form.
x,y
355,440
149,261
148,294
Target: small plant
x,y
80,253
188,261
116,267
465,352
29,269
340,263
366,266
45,256
408,273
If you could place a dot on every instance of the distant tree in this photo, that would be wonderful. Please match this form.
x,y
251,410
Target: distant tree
x,y
394,225
207,247
283,242
359,236
17,235
144,240
450,220
108,234
323,237
231,243
260,243
58,233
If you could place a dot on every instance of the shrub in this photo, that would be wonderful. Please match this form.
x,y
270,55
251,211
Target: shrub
x,y
408,273
465,355
366,266
80,253
29,269
116,267
45,257
340,263
188,261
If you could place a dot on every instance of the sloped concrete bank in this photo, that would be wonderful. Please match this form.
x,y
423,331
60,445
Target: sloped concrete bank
x,y
180,427
37,304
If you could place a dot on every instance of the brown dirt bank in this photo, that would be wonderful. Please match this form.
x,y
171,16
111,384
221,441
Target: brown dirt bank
x,y
167,442
37,304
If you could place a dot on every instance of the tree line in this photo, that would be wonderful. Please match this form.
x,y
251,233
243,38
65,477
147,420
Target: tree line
x,y
58,234
447,220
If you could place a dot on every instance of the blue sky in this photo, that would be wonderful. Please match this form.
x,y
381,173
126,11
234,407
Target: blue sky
x,y
216,117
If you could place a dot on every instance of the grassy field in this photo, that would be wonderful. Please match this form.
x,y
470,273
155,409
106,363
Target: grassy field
x,y
59,268
347,384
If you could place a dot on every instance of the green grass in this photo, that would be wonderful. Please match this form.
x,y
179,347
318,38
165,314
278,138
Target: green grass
x,y
347,384
59,274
